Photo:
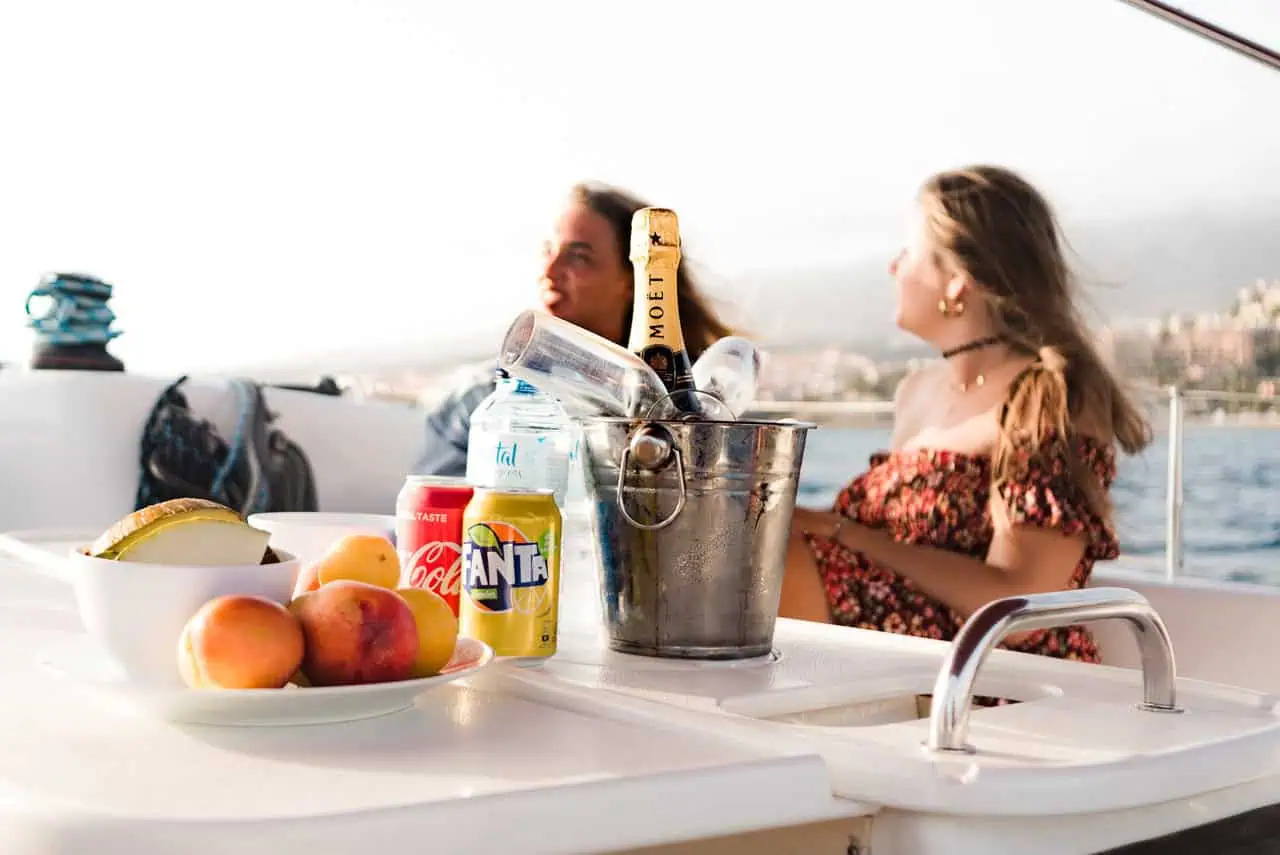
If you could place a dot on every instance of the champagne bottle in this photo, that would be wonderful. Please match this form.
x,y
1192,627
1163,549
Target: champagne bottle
x,y
656,335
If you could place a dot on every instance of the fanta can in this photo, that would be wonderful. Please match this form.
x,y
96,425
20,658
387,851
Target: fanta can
x,y
511,571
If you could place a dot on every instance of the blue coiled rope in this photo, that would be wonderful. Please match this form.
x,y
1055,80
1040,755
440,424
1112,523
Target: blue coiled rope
x,y
77,314
259,496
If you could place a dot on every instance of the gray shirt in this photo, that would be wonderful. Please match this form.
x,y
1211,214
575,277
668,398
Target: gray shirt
x,y
449,426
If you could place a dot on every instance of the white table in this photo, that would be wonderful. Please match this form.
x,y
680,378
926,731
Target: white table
x,y
467,770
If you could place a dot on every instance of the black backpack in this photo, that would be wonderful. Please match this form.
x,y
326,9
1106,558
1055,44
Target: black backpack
x,y
260,470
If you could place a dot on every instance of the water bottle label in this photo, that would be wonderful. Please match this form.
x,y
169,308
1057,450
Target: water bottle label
x,y
525,459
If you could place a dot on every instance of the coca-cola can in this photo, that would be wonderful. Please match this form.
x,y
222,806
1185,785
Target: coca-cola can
x,y
429,534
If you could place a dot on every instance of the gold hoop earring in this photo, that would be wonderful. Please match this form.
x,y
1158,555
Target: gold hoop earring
x,y
943,309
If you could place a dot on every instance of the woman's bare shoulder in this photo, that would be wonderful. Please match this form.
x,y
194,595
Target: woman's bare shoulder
x,y
909,397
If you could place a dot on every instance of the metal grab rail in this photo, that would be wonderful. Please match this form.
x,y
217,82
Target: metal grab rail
x,y
953,689
1174,557
1214,33
1173,489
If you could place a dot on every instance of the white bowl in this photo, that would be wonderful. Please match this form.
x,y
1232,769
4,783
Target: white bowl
x,y
309,535
135,612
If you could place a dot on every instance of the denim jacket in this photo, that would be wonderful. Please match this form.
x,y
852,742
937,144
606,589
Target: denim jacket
x,y
449,426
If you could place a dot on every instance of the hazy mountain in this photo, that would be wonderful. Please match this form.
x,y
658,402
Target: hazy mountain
x,y
1193,261
1131,269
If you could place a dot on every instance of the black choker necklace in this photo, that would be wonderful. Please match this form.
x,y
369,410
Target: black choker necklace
x,y
976,344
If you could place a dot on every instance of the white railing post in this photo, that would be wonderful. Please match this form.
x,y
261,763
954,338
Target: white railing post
x,y
1173,488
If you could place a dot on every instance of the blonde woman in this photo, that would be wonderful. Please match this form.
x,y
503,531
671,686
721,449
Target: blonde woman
x,y
1003,451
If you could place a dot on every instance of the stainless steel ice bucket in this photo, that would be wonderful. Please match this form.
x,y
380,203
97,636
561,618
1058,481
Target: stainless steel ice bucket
x,y
690,523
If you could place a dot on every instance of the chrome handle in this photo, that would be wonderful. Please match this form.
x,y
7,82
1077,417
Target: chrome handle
x,y
953,690
650,448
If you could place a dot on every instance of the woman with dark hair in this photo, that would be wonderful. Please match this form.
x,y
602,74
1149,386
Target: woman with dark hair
x,y
587,280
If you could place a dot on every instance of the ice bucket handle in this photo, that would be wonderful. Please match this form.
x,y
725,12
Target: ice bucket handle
x,y
650,448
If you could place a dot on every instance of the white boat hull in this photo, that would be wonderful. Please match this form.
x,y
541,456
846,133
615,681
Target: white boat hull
x,y
718,782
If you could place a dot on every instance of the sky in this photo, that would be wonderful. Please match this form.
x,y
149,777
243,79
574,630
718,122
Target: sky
x,y
281,180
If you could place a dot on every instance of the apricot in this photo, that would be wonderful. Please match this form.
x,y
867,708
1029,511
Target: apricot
x,y
308,580
437,630
356,632
366,558
240,642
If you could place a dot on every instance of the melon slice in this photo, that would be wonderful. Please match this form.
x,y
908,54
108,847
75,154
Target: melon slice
x,y
183,531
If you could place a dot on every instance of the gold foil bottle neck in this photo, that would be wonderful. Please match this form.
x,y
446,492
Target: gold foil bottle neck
x,y
655,233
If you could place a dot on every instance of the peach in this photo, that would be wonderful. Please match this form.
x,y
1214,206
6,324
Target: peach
x,y
437,630
240,642
366,558
356,633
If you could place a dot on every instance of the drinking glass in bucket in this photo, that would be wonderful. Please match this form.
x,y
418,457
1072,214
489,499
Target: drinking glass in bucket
x,y
729,370
582,369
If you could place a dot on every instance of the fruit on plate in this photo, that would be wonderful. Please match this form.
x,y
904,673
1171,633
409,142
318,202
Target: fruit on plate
x,y
307,580
184,531
240,642
437,630
368,558
356,632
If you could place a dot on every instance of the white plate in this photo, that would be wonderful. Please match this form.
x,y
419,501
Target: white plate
x,y
79,660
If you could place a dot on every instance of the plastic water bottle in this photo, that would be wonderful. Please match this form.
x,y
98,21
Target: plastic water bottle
x,y
520,437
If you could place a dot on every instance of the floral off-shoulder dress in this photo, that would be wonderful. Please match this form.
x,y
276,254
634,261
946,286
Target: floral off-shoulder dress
x,y
940,498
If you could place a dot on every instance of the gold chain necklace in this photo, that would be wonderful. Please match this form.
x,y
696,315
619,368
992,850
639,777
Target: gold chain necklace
x,y
976,344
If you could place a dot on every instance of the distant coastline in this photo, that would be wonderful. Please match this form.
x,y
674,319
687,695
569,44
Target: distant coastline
x,y
858,415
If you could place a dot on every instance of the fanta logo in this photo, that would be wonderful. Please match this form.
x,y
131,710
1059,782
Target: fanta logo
x,y
498,560
437,566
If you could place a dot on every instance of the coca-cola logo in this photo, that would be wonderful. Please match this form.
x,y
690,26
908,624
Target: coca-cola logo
x,y
427,568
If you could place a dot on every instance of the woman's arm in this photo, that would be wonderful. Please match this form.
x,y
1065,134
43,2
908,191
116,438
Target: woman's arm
x,y
1021,560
